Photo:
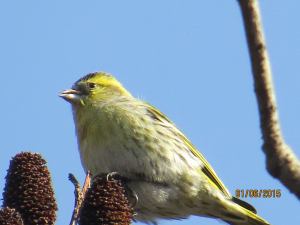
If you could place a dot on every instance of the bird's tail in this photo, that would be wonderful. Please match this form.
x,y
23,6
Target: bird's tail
x,y
248,213
252,219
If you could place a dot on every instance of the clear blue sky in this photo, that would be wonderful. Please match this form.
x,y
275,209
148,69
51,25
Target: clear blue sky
x,y
189,59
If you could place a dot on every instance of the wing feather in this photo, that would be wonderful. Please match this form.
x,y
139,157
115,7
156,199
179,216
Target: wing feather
x,y
207,169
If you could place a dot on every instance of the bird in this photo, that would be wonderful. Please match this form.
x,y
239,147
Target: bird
x,y
117,132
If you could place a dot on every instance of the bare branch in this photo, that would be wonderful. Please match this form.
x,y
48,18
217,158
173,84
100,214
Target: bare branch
x,y
79,196
78,199
282,163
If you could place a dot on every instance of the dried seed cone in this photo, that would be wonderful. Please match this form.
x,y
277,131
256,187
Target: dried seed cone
x,y
106,203
10,216
28,189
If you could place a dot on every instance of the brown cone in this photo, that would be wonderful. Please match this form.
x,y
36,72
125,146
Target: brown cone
x,y
10,216
28,189
106,203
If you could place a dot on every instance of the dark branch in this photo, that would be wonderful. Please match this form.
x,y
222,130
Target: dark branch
x,y
282,163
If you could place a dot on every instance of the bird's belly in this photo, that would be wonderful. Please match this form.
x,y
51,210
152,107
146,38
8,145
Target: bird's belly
x,y
103,159
166,185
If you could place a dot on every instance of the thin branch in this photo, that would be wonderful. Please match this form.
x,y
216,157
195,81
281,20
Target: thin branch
x,y
79,195
78,199
282,163
87,183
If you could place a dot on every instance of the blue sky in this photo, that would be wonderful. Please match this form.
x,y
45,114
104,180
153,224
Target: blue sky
x,y
189,59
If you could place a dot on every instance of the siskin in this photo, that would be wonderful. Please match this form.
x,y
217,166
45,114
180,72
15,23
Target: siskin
x,y
119,133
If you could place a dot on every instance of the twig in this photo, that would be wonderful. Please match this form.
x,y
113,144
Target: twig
x,y
79,195
87,183
78,199
282,163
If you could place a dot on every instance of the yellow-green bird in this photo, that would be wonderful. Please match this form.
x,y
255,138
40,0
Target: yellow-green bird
x,y
119,133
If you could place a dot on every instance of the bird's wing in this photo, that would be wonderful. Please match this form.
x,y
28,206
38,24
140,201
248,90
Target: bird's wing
x,y
207,169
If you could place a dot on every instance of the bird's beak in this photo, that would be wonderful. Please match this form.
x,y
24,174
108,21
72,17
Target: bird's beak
x,y
71,95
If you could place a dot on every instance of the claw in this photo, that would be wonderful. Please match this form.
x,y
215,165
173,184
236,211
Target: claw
x,y
112,174
133,195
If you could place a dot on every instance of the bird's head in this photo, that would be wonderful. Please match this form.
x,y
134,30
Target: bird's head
x,y
94,88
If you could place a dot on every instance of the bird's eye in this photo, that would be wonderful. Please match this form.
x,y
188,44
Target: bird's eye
x,y
92,85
